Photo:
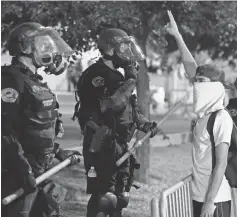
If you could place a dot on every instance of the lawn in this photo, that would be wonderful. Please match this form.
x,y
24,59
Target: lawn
x,y
168,165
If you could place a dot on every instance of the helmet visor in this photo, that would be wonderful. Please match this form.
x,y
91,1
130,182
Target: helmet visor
x,y
128,49
48,40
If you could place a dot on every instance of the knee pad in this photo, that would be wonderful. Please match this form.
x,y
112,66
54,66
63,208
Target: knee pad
x,y
123,200
107,202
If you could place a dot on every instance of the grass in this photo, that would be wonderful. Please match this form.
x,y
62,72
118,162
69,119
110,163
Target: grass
x,y
168,166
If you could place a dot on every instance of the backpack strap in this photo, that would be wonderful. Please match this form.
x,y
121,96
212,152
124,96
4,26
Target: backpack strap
x,y
210,126
233,144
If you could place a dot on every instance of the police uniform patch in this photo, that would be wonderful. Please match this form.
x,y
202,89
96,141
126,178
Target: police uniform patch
x,y
98,81
9,95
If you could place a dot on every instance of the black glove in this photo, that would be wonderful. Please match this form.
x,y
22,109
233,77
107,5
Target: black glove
x,y
131,71
64,154
27,182
151,126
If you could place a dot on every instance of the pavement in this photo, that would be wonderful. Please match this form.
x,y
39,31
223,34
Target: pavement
x,y
176,127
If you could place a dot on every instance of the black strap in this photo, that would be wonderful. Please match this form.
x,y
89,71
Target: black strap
x,y
210,126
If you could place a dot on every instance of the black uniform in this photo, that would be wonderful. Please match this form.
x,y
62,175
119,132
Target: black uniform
x,y
29,111
97,83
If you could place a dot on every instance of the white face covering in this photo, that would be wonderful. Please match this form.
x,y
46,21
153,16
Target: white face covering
x,y
208,97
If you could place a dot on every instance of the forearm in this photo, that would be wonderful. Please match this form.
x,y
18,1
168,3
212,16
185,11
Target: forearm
x,y
141,120
189,62
215,183
14,155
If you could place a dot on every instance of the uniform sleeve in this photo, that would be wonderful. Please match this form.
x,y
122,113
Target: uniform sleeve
x,y
13,154
11,94
222,129
98,86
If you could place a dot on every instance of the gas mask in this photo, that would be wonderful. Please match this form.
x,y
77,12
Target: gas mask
x,y
126,51
49,50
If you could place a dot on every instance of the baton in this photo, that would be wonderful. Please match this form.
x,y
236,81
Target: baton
x,y
39,179
147,135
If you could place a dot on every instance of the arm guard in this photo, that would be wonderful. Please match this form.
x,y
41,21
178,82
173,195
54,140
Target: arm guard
x,y
120,99
138,118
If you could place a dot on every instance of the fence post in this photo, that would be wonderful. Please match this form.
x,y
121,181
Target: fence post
x,y
234,202
154,207
163,205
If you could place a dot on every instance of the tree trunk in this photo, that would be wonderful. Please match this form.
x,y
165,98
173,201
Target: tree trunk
x,y
143,153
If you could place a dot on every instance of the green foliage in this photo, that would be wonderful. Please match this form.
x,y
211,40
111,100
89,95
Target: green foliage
x,y
208,26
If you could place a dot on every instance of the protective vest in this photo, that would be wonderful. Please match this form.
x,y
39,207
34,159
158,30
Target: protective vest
x,y
35,113
96,82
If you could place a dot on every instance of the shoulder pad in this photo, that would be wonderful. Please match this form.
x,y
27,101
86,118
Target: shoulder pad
x,y
10,70
12,76
83,77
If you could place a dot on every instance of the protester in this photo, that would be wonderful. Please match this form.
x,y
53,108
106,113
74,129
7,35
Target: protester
x,y
232,106
29,113
211,191
108,117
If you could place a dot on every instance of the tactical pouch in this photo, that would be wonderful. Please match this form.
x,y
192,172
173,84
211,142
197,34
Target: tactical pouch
x,y
100,137
53,195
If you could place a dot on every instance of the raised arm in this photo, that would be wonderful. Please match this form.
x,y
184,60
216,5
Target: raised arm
x,y
190,64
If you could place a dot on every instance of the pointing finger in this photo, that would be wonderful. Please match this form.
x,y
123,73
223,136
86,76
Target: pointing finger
x,y
170,16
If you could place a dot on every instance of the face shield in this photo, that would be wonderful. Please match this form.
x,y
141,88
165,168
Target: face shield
x,y
47,46
128,49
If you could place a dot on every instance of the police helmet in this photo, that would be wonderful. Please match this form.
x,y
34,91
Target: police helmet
x,y
124,45
45,39
107,36
17,39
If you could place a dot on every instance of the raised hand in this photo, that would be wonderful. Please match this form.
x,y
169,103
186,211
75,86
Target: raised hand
x,y
171,27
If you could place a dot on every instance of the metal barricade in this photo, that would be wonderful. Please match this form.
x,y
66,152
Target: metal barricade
x,y
177,201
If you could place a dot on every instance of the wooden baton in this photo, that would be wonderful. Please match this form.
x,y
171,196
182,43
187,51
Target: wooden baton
x,y
147,135
39,179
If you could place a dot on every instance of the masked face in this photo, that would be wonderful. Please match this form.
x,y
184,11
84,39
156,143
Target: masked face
x,y
208,97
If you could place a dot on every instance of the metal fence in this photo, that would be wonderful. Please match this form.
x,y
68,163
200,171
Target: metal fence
x,y
177,201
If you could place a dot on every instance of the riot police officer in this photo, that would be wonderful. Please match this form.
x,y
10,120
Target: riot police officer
x,y
108,116
29,113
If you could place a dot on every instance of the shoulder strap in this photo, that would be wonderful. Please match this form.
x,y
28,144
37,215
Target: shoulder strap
x,y
210,125
233,144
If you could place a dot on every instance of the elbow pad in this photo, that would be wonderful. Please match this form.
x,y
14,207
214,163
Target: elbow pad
x,y
120,99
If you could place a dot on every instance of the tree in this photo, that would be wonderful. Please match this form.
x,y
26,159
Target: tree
x,y
208,26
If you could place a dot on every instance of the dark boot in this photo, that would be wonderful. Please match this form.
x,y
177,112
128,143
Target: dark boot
x,y
116,214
